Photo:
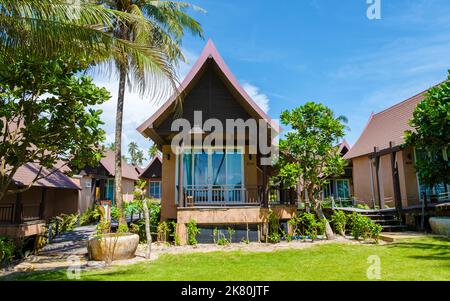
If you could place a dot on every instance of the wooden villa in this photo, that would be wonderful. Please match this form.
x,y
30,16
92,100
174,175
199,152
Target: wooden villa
x,y
219,186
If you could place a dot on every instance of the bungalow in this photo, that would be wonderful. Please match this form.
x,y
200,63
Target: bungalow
x,y
341,187
97,183
217,186
152,174
25,213
384,174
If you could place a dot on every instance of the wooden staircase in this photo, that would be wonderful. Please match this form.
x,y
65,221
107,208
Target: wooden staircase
x,y
388,219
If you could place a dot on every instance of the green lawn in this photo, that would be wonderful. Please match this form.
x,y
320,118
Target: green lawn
x,y
416,259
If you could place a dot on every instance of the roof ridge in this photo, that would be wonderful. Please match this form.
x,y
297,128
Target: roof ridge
x,y
410,98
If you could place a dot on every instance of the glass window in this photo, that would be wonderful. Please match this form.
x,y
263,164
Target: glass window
x,y
110,190
208,171
343,188
155,190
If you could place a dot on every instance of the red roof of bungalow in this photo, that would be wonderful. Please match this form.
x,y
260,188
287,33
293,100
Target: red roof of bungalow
x,y
208,52
128,171
51,178
386,126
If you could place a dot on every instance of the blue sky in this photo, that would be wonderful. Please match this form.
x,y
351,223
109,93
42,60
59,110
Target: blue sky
x,y
288,52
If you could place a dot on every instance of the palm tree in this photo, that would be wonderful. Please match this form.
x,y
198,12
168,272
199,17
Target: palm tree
x,y
140,37
154,75
153,151
82,28
136,155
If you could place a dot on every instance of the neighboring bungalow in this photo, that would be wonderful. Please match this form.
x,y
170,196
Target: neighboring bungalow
x,y
153,174
221,186
341,187
25,213
383,169
97,183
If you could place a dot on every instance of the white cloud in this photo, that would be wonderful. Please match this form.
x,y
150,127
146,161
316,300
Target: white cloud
x,y
261,99
136,108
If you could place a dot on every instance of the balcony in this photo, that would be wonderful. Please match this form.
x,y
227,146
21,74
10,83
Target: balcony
x,y
222,195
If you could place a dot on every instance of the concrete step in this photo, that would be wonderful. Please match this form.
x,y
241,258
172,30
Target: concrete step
x,y
394,228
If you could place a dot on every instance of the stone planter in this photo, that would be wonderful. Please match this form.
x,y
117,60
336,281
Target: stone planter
x,y
116,245
440,225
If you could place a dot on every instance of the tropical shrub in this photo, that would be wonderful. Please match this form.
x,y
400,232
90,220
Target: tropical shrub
x,y
64,223
6,250
274,227
88,217
339,220
375,230
192,232
363,227
363,206
163,231
311,226
174,234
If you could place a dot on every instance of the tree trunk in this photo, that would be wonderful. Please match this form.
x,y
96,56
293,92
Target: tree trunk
x,y
318,209
118,146
147,229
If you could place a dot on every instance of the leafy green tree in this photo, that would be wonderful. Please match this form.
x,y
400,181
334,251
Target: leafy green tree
x,y
152,75
431,135
136,155
44,118
111,146
309,154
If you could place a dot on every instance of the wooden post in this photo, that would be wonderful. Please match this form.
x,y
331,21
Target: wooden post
x,y
377,175
42,205
18,209
181,178
396,182
265,199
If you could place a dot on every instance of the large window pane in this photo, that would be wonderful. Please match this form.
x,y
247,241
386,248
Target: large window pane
x,y
218,167
234,168
200,159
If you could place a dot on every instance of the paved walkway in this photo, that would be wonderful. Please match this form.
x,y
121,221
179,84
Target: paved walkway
x,y
70,243
67,249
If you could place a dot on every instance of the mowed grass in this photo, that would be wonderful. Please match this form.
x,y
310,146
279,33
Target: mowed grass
x,y
416,259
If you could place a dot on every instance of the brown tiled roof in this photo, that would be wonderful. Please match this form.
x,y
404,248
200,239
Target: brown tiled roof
x,y
128,171
53,179
385,126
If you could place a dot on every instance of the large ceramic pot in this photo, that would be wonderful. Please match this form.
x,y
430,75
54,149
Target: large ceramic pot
x,y
116,245
440,225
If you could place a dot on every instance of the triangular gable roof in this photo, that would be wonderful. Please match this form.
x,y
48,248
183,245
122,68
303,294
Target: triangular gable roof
x,y
154,159
128,170
343,145
386,126
210,51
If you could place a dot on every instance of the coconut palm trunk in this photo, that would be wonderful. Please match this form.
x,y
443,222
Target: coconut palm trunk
x,y
118,146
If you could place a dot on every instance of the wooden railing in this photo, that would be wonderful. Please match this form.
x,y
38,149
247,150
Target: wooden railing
x,y
28,213
222,195
6,213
